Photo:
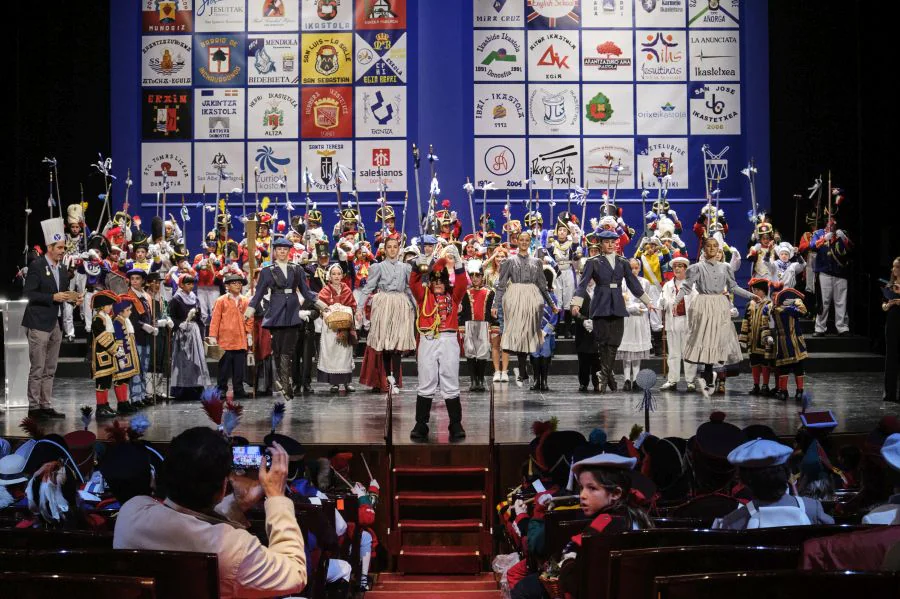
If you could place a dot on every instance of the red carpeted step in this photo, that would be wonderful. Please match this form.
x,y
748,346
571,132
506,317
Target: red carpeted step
x,y
487,585
436,594
440,525
441,497
443,559
412,586
447,470
395,576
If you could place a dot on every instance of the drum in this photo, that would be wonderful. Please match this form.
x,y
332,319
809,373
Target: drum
x,y
213,351
116,283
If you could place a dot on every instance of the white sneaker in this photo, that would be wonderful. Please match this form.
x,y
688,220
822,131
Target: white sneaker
x,y
691,387
395,390
668,385
504,377
391,380
497,376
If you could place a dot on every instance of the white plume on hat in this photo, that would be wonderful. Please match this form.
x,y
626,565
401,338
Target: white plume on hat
x,y
473,266
54,231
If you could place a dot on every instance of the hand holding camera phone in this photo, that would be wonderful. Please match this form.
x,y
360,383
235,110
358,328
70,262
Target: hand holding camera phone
x,y
250,457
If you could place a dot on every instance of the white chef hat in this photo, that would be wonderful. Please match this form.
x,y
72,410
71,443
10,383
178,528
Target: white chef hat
x,y
53,231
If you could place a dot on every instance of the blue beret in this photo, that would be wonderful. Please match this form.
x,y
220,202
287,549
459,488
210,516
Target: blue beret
x,y
607,234
282,242
137,271
891,451
429,240
759,453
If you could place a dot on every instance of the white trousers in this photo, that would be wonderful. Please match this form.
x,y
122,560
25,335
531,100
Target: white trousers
x,y
675,342
564,286
834,291
656,324
631,368
438,365
337,569
207,297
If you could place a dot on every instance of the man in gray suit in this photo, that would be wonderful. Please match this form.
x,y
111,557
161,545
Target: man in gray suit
x,y
46,289
607,309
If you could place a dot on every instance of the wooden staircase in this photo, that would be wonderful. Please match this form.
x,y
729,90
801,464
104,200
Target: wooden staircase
x,y
479,586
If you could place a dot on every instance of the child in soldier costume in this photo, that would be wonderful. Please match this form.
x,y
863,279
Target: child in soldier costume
x,y
790,349
756,336
438,355
127,360
540,359
676,326
159,350
104,350
475,324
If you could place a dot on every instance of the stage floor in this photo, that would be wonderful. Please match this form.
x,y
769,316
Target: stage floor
x,y
359,418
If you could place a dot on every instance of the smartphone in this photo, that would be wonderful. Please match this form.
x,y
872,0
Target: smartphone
x,y
249,457
537,485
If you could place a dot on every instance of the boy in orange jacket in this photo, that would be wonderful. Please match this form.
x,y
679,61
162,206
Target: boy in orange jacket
x,y
231,332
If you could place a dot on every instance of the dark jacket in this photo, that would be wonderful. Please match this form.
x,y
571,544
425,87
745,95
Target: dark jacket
x,y
284,305
42,313
608,300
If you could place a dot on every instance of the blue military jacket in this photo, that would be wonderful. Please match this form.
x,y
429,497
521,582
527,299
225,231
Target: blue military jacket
x,y
607,300
284,305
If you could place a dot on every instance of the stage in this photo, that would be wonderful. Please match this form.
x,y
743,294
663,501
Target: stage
x,y
359,418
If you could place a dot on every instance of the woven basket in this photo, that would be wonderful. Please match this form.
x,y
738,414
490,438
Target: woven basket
x,y
339,321
551,585
213,352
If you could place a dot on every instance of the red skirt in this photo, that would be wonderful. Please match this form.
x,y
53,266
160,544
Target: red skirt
x,y
371,374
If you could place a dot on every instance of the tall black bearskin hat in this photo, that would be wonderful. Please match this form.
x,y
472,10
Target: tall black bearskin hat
x,y
99,243
156,229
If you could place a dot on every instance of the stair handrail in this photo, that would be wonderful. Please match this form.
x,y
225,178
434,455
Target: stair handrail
x,y
491,421
389,419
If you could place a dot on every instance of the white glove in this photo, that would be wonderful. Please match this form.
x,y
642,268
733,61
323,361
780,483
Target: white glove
x,y
304,315
588,325
374,483
841,234
757,248
170,323
249,312
544,499
120,352
162,322
828,236
249,340
148,328
620,222
202,263
191,314
734,312
519,507
358,490
155,332
212,341
769,342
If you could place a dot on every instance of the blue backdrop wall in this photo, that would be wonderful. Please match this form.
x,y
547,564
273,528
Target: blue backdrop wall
x,y
444,44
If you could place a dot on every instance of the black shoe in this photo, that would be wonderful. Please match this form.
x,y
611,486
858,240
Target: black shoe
x,y
754,391
582,388
884,398
457,432
765,391
53,414
782,395
125,408
105,411
544,385
537,384
626,386
240,395
596,387
419,433
38,413
454,412
818,334
307,390
844,334
798,395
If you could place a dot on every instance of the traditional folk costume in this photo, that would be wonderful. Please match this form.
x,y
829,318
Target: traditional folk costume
x,y
790,347
710,221
159,350
189,371
145,332
586,347
832,257
607,306
677,331
207,267
286,283
540,359
636,344
756,338
335,365
104,351
477,326
232,331
654,257
762,249
566,254
785,273
127,360
521,295
391,329
437,360
615,225
712,339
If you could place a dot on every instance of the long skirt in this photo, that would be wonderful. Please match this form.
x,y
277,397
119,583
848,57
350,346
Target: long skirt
x,y
523,307
335,365
392,322
371,373
712,338
188,358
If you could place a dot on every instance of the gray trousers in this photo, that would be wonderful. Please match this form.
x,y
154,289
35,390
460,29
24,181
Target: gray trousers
x,y
43,352
834,292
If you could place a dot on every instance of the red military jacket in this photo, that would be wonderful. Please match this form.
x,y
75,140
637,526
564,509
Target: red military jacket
x,y
447,304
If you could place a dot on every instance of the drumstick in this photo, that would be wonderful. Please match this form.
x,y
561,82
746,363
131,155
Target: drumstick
x,y
346,482
366,464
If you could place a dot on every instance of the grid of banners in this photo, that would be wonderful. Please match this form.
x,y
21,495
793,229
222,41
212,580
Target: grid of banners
x,y
265,90
565,88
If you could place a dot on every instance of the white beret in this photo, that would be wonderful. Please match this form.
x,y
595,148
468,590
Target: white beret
x,y
759,453
891,451
608,460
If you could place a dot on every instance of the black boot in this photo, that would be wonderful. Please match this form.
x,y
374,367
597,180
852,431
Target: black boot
x,y
339,589
454,411
754,391
479,375
473,378
285,364
545,372
419,432
608,368
765,391
536,370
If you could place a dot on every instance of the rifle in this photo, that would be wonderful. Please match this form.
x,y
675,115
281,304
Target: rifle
x,y
415,152
250,231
